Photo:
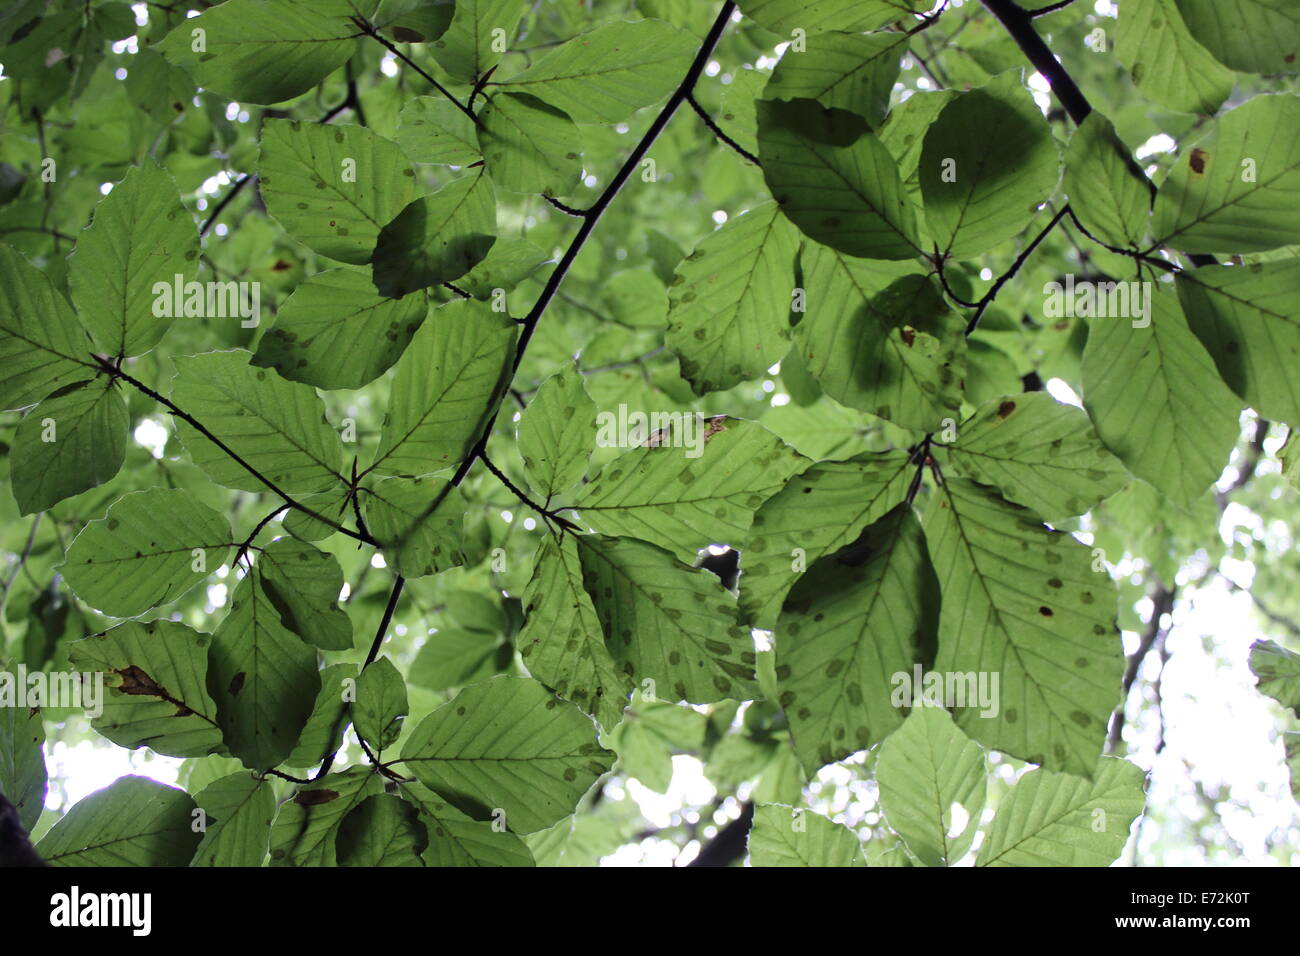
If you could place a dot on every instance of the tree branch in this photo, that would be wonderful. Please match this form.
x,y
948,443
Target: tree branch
x,y
178,412
1162,604
369,30
589,220
717,130
730,843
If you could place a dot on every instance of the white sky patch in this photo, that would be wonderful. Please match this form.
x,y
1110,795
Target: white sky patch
x,y
1062,392
1160,143
151,435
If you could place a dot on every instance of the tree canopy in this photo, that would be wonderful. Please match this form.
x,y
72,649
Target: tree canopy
x,y
464,433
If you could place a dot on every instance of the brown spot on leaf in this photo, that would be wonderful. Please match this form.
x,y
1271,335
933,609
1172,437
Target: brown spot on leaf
x,y
280,266
1006,408
137,682
714,425
237,684
1045,611
314,798
909,335
1197,160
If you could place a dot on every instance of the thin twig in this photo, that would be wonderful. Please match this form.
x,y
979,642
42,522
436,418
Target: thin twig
x,y
178,412
226,200
567,210
717,130
369,30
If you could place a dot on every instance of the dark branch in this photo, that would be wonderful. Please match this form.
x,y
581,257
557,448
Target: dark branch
x,y
1002,280
567,210
1162,604
729,844
369,30
717,130
544,512
479,451
178,412
226,200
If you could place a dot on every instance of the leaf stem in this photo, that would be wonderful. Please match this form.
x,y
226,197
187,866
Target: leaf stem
x,y
178,412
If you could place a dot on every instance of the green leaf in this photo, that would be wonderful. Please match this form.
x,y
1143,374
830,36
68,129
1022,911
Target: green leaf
x,y
23,778
304,585
835,180
1278,673
1255,36
529,146
1039,453
155,676
239,810
899,354
335,331
813,516
277,427
855,620
384,830
307,826
334,188
457,840
697,482
903,134
454,370
606,75
651,734
141,235
324,730
479,31
562,643
509,262
430,129
729,304
988,162
333,504
667,622
454,657
134,821
1238,188
70,442
785,836
1022,602
814,16
381,704
556,434
149,549
1245,317
262,676
437,238
926,771
417,541
42,345
847,71
1158,402
1055,819
1108,191
1166,62
636,298
475,610
508,744
263,51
